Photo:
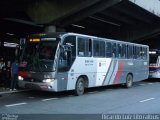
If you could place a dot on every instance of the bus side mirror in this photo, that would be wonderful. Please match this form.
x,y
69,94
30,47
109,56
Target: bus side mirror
x,y
22,43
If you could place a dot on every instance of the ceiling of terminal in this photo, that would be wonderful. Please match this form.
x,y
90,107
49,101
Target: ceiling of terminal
x,y
112,22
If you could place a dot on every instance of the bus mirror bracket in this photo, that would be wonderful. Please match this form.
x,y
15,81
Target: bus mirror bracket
x,y
17,51
66,48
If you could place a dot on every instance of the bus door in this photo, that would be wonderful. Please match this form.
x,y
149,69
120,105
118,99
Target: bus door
x,y
66,58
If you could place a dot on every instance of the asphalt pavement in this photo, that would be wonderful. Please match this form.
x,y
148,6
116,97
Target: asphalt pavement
x,y
142,98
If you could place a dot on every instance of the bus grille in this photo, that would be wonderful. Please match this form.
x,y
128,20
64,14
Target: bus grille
x,y
32,80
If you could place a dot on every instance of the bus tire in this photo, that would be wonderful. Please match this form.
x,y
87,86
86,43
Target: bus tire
x,y
80,86
129,81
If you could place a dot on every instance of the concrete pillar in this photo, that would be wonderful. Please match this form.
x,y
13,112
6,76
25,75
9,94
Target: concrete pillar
x,y
50,28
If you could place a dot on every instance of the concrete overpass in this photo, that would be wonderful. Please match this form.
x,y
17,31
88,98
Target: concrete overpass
x,y
119,19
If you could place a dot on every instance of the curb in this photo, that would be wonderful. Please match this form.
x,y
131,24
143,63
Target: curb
x,y
7,92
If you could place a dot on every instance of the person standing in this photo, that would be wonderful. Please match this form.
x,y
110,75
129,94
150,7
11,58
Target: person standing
x,y
14,74
2,64
4,79
8,74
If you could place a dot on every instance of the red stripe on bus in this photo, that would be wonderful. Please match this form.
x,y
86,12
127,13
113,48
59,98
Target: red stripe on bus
x,y
116,81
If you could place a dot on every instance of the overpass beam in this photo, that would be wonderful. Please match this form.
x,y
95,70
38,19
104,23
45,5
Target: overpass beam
x,y
140,33
48,11
84,13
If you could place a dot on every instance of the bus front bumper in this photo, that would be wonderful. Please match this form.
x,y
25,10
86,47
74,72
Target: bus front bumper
x,y
52,86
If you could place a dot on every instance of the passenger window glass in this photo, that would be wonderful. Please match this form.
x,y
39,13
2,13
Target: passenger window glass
x,y
123,51
84,47
134,52
108,49
114,53
99,48
137,52
129,51
145,53
119,55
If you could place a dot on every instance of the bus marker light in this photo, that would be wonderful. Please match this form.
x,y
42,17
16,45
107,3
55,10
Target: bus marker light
x,y
34,40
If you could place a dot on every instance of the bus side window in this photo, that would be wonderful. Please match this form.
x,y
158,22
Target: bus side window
x,y
108,49
84,47
123,51
99,48
138,56
96,48
129,51
134,52
114,50
145,53
119,47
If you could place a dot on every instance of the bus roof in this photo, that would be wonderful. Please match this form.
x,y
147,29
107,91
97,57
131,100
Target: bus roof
x,y
62,34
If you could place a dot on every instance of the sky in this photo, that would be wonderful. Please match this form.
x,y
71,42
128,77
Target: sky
x,y
150,5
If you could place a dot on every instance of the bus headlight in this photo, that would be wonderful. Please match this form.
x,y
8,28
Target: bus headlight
x,y
20,78
48,80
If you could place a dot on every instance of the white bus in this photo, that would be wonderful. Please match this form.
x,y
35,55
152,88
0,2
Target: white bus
x,y
154,63
70,61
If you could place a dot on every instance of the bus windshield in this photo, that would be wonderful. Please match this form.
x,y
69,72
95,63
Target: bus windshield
x,y
39,56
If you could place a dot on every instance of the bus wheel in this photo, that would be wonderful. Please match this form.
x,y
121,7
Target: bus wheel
x,y
129,81
79,88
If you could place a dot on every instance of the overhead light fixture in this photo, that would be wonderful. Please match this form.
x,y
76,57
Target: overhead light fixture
x,y
105,21
152,52
79,26
7,44
11,34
